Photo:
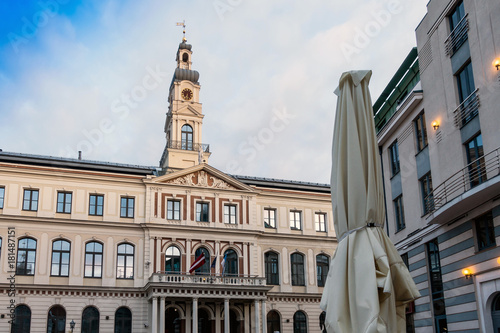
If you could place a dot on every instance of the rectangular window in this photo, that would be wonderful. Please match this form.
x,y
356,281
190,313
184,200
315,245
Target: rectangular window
x,y
127,207
394,156
2,195
485,231
96,204
320,221
230,214
202,210
64,202
173,210
270,218
30,201
295,220
427,196
475,160
458,29
399,215
436,284
456,16
465,82
420,132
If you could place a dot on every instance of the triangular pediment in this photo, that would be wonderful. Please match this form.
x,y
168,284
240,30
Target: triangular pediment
x,y
188,110
205,176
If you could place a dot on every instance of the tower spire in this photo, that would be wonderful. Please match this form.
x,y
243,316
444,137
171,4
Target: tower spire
x,y
183,24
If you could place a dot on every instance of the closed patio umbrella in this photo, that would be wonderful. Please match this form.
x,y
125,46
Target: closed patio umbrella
x,y
368,285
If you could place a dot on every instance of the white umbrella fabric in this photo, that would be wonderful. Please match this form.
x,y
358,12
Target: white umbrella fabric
x,y
368,284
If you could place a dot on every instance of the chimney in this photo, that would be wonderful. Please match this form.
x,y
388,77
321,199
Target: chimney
x,y
79,154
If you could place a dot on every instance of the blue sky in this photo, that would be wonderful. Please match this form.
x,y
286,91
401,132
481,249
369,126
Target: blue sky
x,y
65,64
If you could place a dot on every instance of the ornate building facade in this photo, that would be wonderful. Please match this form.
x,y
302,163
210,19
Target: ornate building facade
x,y
92,246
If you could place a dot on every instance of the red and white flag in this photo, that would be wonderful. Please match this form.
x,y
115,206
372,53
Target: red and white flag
x,y
198,262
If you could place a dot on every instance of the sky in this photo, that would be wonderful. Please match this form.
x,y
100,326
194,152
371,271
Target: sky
x,y
268,70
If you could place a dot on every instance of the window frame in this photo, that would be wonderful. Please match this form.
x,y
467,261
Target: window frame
x,y
293,214
91,320
394,158
231,261
299,324
95,206
66,202
318,223
297,269
30,200
123,320
206,267
173,209
175,259
127,257
199,212
230,214
94,254
322,269
60,253
187,137
271,268
426,188
27,250
127,210
477,171
2,196
420,128
56,318
23,318
399,213
271,220
485,222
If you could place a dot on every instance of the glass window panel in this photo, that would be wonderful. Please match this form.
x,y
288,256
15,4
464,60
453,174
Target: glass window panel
x,y
55,269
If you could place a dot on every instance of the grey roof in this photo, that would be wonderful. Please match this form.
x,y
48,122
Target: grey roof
x,y
283,184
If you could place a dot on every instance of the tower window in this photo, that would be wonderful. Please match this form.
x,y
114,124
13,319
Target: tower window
x,y
187,137
185,57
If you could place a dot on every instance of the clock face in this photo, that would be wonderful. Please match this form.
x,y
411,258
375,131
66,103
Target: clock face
x,y
187,94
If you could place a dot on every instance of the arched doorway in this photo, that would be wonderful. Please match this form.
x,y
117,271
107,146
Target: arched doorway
x,y
495,314
234,323
204,324
172,321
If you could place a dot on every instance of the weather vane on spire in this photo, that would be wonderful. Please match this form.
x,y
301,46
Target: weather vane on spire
x,y
183,24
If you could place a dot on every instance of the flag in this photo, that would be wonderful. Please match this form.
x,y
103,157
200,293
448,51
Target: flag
x,y
200,261
223,264
213,263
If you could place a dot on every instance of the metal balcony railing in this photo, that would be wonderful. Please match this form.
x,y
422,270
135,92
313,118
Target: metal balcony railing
x,y
467,110
212,279
187,145
457,37
475,173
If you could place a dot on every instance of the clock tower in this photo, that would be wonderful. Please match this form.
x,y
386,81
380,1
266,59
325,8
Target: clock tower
x,y
183,125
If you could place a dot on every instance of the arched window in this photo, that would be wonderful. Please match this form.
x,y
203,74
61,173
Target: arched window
x,y
187,137
26,256
322,266
205,269
123,320
93,259
297,269
173,260
230,263
56,320
273,322
495,313
272,272
90,320
299,322
60,258
22,319
125,261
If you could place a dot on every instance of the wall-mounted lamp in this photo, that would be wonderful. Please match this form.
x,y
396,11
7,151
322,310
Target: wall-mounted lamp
x,y
496,63
147,263
435,125
72,325
467,273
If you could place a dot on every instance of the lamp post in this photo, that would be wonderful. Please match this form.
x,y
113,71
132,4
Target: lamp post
x,y
72,325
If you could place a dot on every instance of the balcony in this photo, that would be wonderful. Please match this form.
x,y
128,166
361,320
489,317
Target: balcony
x,y
185,145
208,279
457,37
466,111
473,185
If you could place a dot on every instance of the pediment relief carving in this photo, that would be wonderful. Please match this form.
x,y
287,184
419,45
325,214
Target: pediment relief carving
x,y
201,179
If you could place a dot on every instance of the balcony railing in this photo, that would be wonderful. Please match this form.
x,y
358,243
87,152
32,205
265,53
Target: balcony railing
x,y
457,37
186,145
475,173
226,280
466,111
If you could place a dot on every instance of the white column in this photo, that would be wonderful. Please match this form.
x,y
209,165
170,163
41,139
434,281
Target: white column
x,y
162,314
257,315
264,317
195,315
154,317
217,317
226,315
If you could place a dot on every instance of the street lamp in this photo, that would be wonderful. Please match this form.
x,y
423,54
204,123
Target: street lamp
x,y
72,325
